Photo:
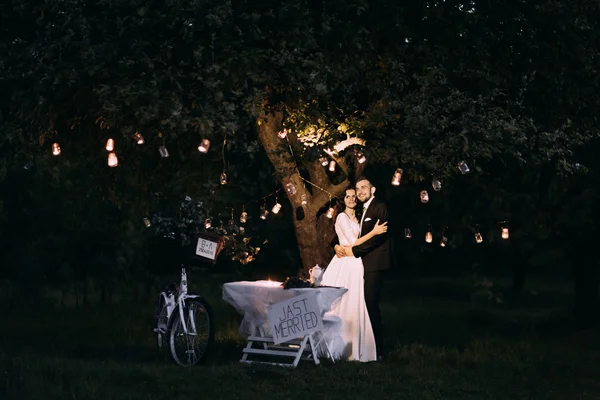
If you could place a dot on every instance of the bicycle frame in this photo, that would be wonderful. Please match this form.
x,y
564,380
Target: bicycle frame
x,y
180,303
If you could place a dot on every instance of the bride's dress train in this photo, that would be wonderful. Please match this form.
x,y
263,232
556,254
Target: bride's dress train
x,y
356,341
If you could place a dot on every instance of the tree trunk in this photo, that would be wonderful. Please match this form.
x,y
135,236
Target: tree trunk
x,y
314,231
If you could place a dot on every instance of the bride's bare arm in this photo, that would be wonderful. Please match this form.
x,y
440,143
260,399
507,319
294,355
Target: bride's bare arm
x,y
378,229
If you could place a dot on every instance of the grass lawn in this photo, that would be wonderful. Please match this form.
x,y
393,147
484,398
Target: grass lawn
x,y
441,348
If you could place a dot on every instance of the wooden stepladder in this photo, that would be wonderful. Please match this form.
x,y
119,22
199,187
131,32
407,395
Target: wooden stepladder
x,y
293,324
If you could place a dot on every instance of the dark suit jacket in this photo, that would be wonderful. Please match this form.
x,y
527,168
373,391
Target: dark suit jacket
x,y
375,252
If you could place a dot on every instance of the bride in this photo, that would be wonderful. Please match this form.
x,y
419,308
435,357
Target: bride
x,y
357,339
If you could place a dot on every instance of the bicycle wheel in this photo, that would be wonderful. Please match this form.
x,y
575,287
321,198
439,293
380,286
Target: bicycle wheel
x,y
189,346
162,319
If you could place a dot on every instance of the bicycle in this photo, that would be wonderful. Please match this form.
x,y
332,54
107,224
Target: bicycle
x,y
184,324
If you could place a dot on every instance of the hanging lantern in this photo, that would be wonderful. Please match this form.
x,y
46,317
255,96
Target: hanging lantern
x,y
323,161
282,133
444,241
242,229
164,153
505,232
463,168
223,178
424,196
204,145
436,184
263,213
110,145
429,237
304,200
361,157
290,188
397,177
276,207
147,222
113,161
138,138
330,213
207,223
407,233
478,237
55,149
244,217
332,165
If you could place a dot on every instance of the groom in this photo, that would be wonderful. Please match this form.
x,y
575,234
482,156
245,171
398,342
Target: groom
x,y
375,254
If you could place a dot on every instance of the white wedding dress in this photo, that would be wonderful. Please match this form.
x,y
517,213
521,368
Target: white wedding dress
x,y
356,341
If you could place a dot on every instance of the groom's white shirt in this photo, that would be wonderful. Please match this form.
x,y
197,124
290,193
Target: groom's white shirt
x,y
366,205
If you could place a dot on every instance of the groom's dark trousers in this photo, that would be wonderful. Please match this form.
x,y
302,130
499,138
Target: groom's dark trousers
x,y
373,287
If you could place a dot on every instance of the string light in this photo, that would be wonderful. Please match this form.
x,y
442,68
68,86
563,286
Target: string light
x,y
332,166
110,145
424,196
204,145
397,177
504,229
444,240
283,133
429,235
138,138
331,210
436,184
361,157
113,161
478,236
407,233
55,149
277,207
243,215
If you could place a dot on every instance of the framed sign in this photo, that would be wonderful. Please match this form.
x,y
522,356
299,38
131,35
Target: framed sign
x,y
208,247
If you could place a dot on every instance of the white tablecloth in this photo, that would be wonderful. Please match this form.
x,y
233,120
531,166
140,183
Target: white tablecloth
x,y
251,299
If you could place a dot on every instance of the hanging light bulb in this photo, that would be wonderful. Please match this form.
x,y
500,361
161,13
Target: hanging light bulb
x,y
407,233
330,212
147,222
276,207
332,166
164,153
223,178
429,236
361,157
113,161
243,217
55,149
282,133
504,228
290,188
304,200
110,145
397,177
444,240
139,138
263,213
204,145
478,237
463,168
424,196
207,223
242,229
436,184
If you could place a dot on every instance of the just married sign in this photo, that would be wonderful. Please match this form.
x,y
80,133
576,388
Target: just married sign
x,y
294,318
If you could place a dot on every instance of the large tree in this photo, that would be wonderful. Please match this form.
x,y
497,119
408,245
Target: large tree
x,y
421,85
